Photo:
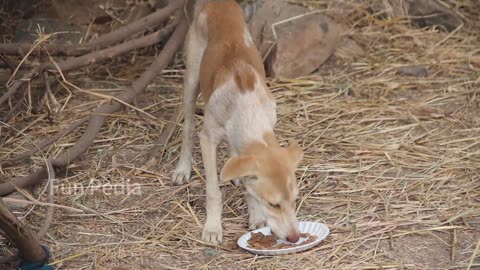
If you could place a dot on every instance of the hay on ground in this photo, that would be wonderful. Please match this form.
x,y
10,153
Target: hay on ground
x,y
392,162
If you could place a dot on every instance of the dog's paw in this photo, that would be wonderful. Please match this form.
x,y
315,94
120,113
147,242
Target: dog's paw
x,y
212,233
181,175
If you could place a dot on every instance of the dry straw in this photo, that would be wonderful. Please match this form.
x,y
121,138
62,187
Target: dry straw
x,y
392,163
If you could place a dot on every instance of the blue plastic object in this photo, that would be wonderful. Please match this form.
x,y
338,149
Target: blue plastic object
x,y
26,265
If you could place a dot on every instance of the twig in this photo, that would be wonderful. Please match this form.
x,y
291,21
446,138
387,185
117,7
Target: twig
x,y
17,84
157,151
142,24
51,193
13,109
474,254
33,201
109,53
48,91
7,62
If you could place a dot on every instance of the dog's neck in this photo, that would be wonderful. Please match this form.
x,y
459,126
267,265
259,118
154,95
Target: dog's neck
x,y
268,140
254,117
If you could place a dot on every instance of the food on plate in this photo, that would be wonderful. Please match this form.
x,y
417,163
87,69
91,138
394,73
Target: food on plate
x,y
261,241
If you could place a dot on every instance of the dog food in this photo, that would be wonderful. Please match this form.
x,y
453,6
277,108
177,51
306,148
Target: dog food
x,y
261,241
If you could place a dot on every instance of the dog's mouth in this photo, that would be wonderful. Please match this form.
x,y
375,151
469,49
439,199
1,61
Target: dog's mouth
x,y
290,233
292,237
275,231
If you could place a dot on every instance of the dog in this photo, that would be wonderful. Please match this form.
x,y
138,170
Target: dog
x,y
223,64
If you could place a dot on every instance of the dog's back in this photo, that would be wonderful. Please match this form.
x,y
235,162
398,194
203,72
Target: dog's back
x,y
230,50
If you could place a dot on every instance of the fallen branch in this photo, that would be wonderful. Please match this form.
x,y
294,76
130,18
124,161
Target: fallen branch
x,y
104,41
109,53
17,84
45,143
13,109
98,116
91,58
157,151
50,193
47,93
7,62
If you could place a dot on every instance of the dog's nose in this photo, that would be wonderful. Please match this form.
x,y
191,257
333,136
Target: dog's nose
x,y
293,238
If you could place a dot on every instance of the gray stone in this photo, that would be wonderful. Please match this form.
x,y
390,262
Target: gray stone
x,y
416,71
209,252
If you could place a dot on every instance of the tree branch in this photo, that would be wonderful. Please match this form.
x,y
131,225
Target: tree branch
x,y
106,40
91,58
98,116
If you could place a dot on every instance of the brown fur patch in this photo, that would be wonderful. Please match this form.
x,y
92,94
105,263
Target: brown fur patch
x,y
227,55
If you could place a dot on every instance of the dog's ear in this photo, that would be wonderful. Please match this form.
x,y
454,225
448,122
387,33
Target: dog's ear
x,y
295,153
237,167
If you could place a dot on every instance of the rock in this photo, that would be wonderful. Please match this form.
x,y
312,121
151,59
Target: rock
x,y
434,13
426,112
423,12
260,15
416,71
286,56
302,46
15,202
209,252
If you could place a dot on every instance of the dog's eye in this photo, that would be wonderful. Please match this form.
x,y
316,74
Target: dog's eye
x,y
274,205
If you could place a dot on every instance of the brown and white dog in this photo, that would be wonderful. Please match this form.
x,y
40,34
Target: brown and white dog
x,y
223,63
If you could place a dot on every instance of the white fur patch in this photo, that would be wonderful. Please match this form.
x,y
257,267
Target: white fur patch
x,y
247,38
242,116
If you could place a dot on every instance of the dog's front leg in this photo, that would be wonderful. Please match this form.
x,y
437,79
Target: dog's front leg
x,y
255,216
212,230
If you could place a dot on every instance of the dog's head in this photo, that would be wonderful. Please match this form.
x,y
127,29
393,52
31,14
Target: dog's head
x,y
271,172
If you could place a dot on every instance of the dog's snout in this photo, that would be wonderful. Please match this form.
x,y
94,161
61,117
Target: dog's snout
x,y
293,237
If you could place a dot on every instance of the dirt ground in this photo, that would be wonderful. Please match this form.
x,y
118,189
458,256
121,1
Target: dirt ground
x,y
392,162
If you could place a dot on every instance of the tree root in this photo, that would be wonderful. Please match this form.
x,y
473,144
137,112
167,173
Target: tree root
x,y
98,116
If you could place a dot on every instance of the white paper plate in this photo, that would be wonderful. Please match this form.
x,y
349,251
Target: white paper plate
x,y
313,228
